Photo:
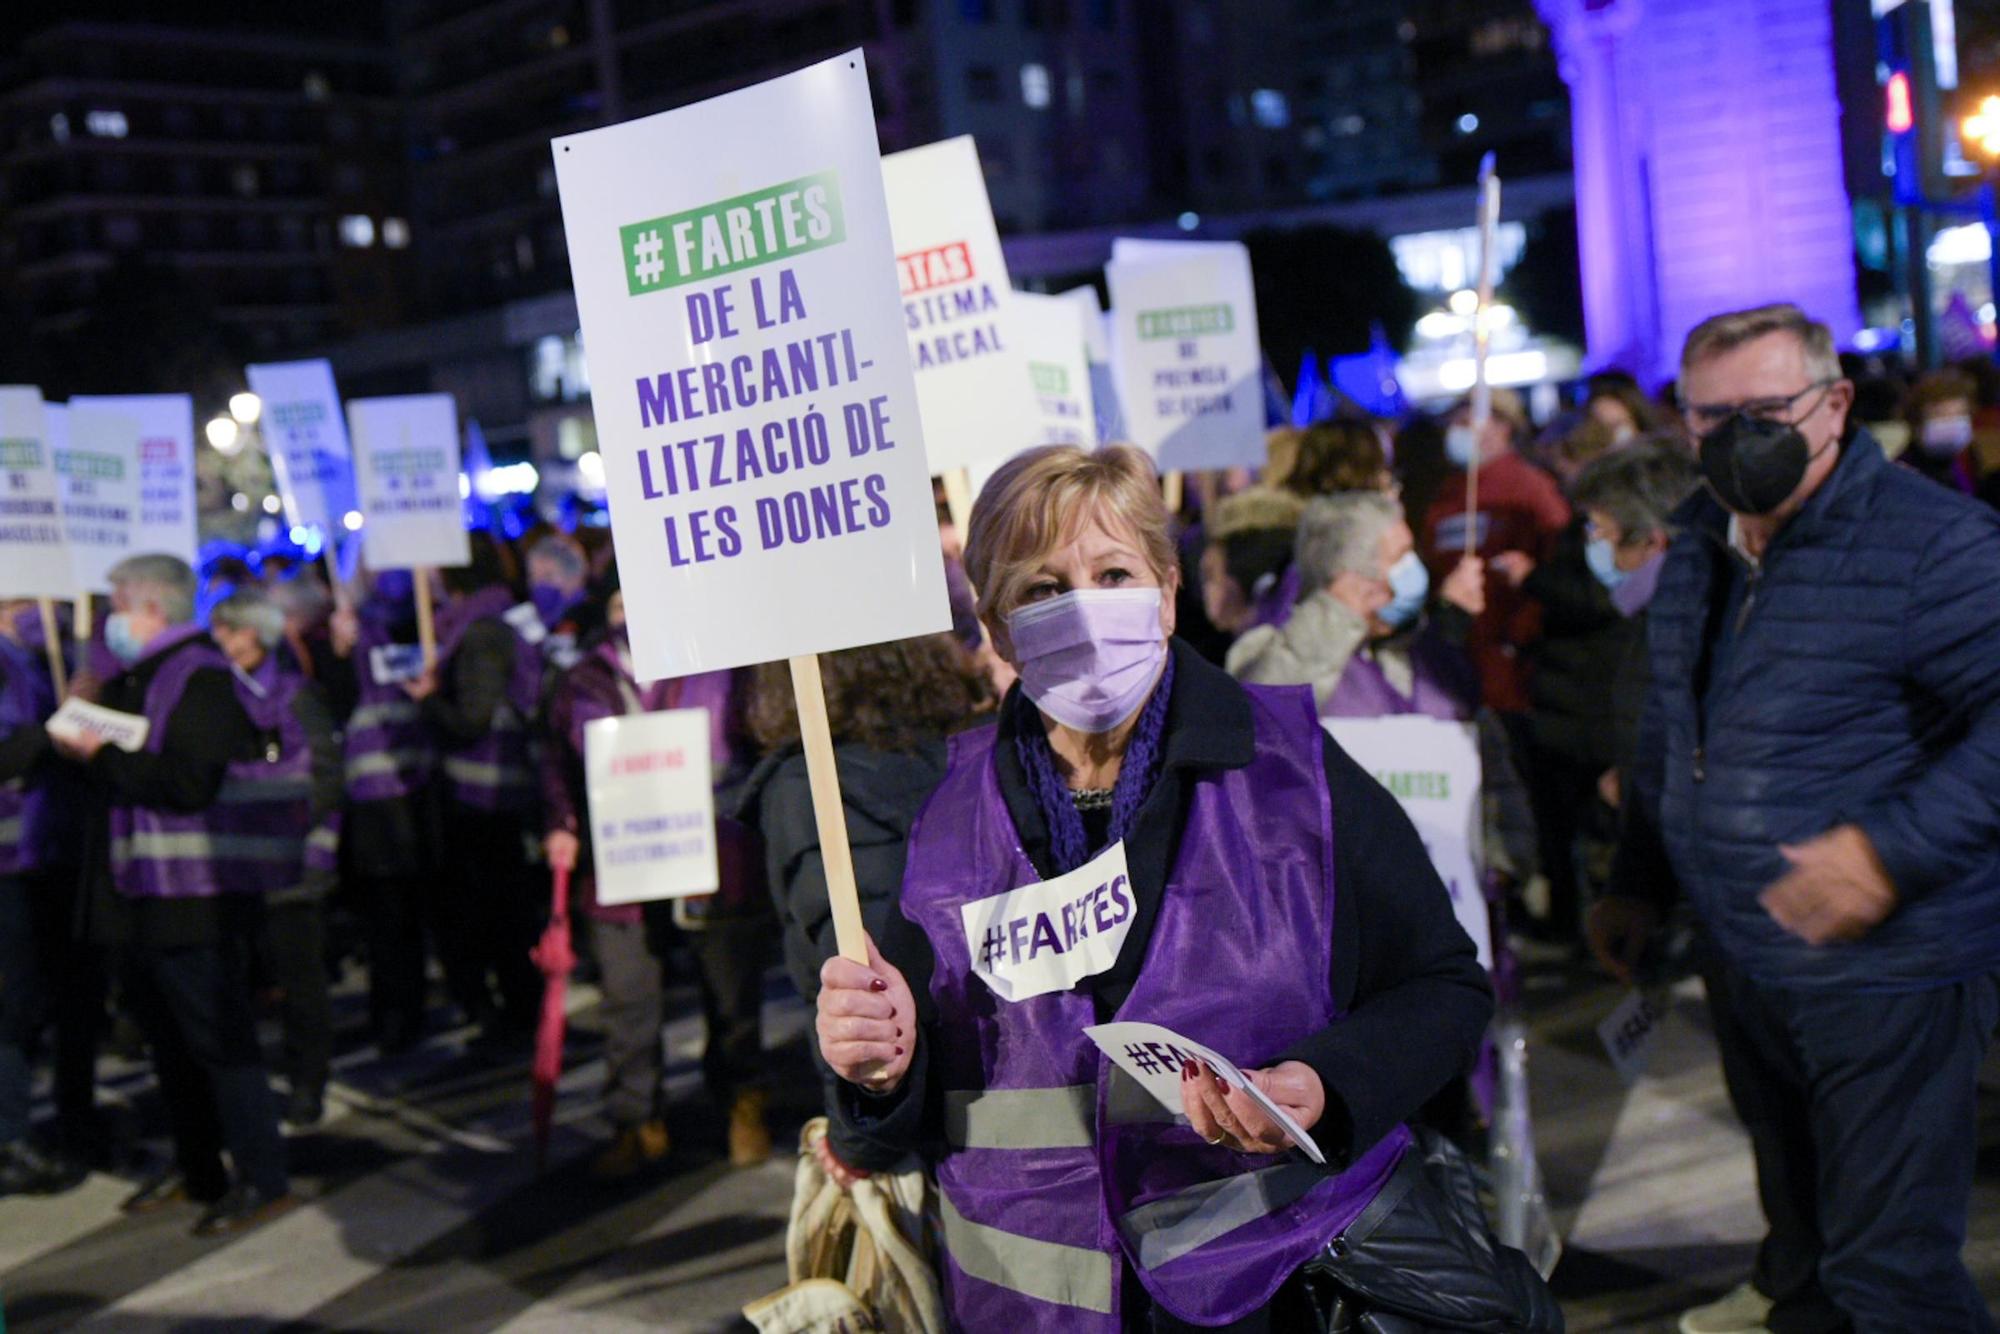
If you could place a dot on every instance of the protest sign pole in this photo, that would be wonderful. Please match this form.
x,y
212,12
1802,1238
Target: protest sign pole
x,y
1482,390
958,498
827,811
1172,487
52,641
426,618
81,625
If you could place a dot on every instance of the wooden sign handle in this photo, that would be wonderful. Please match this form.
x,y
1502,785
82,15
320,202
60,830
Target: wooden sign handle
x,y
958,499
426,617
1173,490
828,813
81,628
52,641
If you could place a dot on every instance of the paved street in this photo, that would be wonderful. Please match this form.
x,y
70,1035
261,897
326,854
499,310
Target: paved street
x,y
424,1212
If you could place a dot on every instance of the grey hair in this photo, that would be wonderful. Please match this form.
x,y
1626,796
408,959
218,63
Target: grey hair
x,y
1639,485
562,552
1722,333
251,609
1343,532
300,597
167,580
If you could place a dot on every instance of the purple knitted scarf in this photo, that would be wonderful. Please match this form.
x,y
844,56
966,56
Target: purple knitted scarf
x,y
1068,845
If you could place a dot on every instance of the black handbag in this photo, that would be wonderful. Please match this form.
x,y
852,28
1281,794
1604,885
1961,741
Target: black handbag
x,y
1422,1257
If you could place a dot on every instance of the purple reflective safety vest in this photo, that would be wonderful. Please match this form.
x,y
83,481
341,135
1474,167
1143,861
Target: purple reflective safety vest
x,y
272,794
496,772
389,753
1059,1170
157,854
1436,690
27,698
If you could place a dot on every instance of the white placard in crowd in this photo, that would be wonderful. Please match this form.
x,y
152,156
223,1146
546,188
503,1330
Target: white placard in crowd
x,y
78,718
652,806
34,558
97,460
1097,346
756,411
1185,353
166,521
1432,769
1154,1055
406,481
1050,329
307,438
971,369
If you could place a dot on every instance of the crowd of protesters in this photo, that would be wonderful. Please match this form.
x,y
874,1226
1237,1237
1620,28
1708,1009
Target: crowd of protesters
x,y
302,758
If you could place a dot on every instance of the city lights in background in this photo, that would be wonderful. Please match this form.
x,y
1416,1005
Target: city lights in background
x,y
1982,127
223,434
246,407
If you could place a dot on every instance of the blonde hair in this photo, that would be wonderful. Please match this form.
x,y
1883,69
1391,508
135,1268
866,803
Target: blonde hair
x,y
1722,333
1039,499
1247,511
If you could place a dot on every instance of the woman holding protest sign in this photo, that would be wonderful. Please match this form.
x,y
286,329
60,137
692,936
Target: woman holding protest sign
x,y
1139,838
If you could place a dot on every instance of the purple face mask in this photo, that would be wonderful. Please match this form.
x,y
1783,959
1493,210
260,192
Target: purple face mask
x,y
1636,590
1089,658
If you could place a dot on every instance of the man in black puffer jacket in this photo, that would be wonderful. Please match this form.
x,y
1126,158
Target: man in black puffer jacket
x,y
1819,766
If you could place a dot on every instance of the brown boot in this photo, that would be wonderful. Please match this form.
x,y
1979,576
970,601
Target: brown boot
x,y
635,1149
749,1137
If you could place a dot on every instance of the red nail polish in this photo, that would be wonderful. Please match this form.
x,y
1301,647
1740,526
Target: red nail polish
x,y
899,1051
1187,1069
878,984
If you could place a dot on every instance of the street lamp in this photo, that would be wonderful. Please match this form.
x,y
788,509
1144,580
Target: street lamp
x,y
246,407
1982,130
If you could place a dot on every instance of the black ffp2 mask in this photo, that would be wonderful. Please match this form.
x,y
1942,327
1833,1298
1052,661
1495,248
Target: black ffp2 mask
x,y
1753,465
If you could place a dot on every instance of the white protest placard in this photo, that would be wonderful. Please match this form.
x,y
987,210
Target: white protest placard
x,y
756,411
1051,332
652,806
166,521
78,718
97,461
34,558
1154,1056
406,481
1432,769
971,369
1049,936
307,438
1097,347
1185,353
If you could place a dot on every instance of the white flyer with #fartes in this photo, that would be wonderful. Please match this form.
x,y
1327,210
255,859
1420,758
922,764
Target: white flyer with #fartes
x,y
1154,1056
1049,936
78,718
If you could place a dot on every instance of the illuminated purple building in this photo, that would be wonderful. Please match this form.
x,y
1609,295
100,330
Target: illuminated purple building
x,y
1709,170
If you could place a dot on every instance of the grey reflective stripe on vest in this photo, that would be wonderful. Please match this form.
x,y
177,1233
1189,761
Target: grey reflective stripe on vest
x,y
1126,1103
195,846
1187,1220
386,764
11,829
1045,1270
477,773
382,714
1058,1118
323,839
243,791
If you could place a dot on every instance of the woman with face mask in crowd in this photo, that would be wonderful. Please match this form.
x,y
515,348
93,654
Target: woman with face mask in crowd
x,y
1276,906
1939,411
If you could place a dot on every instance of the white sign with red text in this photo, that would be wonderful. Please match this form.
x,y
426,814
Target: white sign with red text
x,y
34,558
652,806
166,518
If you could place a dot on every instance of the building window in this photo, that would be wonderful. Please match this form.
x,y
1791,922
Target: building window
x,y
357,230
106,124
982,83
1103,14
1269,109
243,180
59,128
395,233
1035,85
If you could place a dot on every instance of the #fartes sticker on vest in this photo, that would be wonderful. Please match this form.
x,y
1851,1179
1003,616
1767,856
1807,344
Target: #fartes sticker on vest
x,y
1051,935
1154,1056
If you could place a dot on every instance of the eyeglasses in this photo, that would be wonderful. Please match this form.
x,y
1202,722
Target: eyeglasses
x,y
1705,417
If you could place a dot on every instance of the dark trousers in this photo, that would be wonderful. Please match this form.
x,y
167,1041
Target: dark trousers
x,y
731,957
1862,1116
194,1006
391,908
291,956
1562,790
47,974
488,917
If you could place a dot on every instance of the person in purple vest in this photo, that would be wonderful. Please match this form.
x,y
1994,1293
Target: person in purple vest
x,y
480,703
1277,907
1359,636
294,790
728,942
165,889
27,854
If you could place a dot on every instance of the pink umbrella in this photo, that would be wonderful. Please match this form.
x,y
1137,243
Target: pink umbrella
x,y
555,958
